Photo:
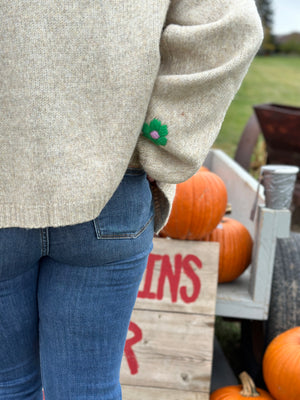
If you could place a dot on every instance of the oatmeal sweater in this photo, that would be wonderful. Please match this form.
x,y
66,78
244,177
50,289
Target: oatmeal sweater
x,y
88,88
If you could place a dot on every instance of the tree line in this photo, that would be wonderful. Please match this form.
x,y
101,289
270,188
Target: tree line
x,y
289,44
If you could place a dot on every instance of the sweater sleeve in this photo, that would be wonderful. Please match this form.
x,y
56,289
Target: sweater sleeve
x,y
206,49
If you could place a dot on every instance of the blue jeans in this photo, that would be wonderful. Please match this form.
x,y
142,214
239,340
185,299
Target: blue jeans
x,y
66,298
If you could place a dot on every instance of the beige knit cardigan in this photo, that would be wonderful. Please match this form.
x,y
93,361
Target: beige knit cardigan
x,y
79,78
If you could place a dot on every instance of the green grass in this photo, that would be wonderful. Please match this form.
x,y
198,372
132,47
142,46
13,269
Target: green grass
x,y
228,334
273,79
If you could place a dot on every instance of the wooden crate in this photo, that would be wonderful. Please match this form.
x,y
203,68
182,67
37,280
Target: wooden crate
x,y
249,295
168,353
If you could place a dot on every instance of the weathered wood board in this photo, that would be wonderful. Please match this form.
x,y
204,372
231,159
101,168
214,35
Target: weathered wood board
x,y
168,352
180,276
131,393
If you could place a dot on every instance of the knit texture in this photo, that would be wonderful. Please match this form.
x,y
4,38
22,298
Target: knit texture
x,y
78,80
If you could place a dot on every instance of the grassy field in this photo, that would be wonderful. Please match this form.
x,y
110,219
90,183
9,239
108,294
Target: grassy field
x,y
273,79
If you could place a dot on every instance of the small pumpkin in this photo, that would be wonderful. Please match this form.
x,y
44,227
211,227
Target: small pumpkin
x,y
199,204
235,248
246,391
281,365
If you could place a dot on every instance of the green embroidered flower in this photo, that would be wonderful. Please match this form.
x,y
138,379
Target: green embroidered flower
x,y
156,132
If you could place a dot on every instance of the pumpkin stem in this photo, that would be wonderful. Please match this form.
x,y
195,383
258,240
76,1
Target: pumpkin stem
x,y
249,389
228,208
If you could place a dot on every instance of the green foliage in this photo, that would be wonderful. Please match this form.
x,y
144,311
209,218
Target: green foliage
x,y
290,47
228,334
268,45
265,11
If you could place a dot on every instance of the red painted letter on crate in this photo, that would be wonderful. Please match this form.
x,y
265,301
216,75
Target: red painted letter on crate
x,y
146,292
190,273
129,353
172,275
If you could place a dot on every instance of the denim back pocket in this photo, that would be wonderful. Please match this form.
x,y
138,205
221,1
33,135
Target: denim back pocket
x,y
129,211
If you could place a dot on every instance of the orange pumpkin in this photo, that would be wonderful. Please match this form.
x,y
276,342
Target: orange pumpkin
x,y
235,248
203,169
281,365
199,204
246,391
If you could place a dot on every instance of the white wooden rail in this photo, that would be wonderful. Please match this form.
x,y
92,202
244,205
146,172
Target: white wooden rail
x,y
249,295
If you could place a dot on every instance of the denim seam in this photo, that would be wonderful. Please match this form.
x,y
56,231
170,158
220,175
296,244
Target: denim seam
x,y
121,235
44,242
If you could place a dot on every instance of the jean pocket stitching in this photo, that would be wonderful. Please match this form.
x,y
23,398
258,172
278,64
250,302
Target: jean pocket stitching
x,y
121,235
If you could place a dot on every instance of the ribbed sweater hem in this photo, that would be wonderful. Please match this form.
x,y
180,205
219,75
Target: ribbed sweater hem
x,y
48,215
72,213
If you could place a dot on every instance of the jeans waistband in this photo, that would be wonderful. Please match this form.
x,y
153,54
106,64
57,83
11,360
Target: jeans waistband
x,y
134,171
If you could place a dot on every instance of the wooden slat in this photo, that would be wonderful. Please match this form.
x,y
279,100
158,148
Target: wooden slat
x,y
140,393
193,277
174,352
241,187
